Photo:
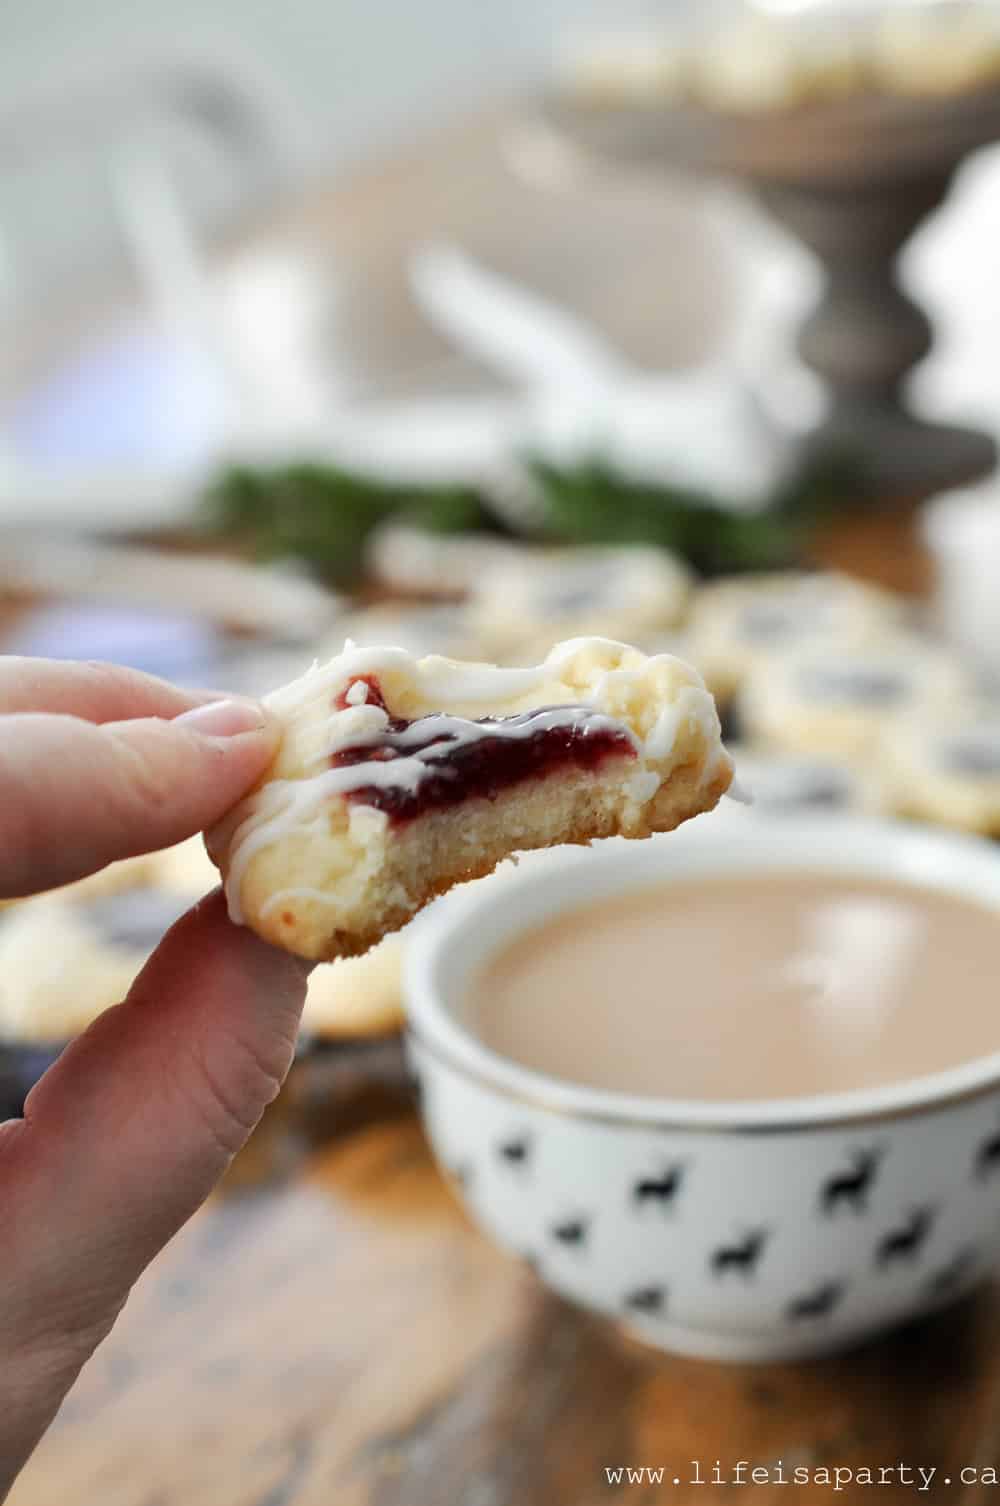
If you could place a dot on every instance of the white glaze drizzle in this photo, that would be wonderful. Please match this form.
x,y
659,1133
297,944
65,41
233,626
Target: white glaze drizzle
x,y
447,690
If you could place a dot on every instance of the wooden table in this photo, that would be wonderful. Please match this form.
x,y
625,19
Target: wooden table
x,y
331,1331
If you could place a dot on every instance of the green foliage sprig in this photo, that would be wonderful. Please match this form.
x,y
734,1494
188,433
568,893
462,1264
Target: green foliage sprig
x,y
323,515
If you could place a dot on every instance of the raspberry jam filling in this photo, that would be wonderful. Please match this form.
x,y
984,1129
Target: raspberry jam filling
x,y
458,757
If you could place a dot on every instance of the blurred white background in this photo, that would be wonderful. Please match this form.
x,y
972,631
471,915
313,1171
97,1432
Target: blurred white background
x,y
334,105
361,74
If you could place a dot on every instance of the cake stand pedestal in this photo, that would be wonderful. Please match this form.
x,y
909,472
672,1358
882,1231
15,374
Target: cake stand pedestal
x,y
852,180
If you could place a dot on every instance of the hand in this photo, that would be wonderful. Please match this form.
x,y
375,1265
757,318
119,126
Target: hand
x,y
127,1134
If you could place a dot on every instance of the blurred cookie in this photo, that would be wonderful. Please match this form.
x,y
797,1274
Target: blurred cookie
x,y
738,625
404,558
444,629
623,68
185,869
946,769
550,595
63,961
936,49
747,66
838,703
357,996
68,956
779,784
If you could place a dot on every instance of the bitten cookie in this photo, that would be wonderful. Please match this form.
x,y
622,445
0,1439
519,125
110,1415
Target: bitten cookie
x,y
946,769
441,628
839,704
399,777
354,999
362,997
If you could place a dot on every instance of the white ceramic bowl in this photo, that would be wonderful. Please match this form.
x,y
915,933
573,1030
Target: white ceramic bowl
x,y
744,1230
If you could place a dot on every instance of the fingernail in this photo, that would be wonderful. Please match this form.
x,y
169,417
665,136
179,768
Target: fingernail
x,y
223,719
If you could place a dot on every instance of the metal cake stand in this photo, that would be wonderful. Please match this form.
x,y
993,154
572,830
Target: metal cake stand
x,y
851,179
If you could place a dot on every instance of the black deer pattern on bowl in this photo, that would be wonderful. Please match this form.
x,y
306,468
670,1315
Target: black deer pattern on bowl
x,y
783,1243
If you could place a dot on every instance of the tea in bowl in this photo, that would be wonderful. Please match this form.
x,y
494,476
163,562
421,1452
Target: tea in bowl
x,y
738,1087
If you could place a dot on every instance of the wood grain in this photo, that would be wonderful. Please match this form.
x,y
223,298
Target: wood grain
x,y
338,1335
884,546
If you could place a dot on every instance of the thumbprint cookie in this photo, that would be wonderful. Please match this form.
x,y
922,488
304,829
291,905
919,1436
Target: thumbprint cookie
x,y
552,594
740,625
778,784
438,628
405,558
839,703
947,769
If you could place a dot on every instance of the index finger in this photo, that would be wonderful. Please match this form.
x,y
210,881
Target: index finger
x,y
91,691
74,797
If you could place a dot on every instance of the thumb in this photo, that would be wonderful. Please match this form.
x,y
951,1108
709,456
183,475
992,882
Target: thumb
x,y
123,1139
75,796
